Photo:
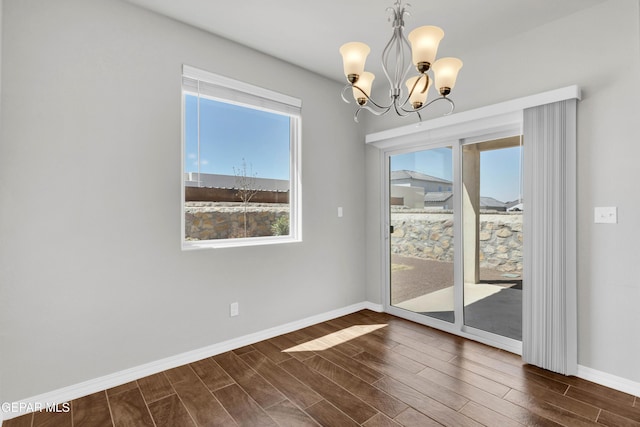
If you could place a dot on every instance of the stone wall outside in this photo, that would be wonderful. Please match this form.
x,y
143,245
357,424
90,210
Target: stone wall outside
x,y
429,235
417,233
211,220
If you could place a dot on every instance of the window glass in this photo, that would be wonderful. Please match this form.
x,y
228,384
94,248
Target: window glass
x,y
239,170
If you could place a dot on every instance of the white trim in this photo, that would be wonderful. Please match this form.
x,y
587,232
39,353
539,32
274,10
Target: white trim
x,y
198,74
378,308
609,380
190,245
467,332
85,388
492,127
500,111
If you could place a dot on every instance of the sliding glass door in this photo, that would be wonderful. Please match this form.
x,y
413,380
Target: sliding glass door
x,y
455,237
422,233
492,236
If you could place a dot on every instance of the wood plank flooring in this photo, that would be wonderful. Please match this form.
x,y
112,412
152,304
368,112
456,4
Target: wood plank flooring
x,y
365,369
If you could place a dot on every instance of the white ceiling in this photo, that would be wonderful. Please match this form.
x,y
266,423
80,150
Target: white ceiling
x,y
309,33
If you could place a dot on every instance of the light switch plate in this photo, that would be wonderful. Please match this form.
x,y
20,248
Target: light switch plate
x,y
234,309
339,211
606,215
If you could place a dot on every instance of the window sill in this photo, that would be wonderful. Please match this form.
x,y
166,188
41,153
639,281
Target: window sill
x,y
234,243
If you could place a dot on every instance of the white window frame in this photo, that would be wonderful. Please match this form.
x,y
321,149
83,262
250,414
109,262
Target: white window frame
x,y
219,88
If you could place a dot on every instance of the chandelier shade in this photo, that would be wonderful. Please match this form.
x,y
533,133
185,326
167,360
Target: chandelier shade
x,y
354,57
362,92
421,46
424,44
445,71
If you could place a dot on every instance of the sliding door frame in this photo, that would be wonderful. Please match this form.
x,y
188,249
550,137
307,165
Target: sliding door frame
x,y
457,265
482,124
457,327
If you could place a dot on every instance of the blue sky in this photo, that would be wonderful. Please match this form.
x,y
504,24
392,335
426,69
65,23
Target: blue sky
x,y
229,134
435,162
500,174
499,169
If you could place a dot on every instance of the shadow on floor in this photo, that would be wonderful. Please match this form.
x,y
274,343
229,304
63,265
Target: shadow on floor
x,y
500,313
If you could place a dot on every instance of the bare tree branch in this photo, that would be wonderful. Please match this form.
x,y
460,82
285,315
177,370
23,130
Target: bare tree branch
x,y
246,187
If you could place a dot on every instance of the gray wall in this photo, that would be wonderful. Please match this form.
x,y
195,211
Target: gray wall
x,y
91,88
599,50
94,284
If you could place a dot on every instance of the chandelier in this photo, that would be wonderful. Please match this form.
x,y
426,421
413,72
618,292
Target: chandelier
x,y
421,46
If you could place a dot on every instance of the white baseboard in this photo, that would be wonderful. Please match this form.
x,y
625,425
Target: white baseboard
x,y
373,307
118,378
608,380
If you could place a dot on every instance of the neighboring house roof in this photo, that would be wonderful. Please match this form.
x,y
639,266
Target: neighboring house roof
x,y
407,174
513,203
437,196
443,196
490,202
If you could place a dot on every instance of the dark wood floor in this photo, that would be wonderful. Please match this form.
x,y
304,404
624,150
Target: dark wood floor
x,y
365,369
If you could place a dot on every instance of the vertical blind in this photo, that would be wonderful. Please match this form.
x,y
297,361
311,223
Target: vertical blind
x,y
549,300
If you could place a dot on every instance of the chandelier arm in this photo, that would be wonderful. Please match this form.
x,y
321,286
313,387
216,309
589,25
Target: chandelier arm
x,y
417,111
377,113
344,89
399,68
453,105
385,58
401,111
402,50
404,40
386,108
355,115
345,99
409,65
407,111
